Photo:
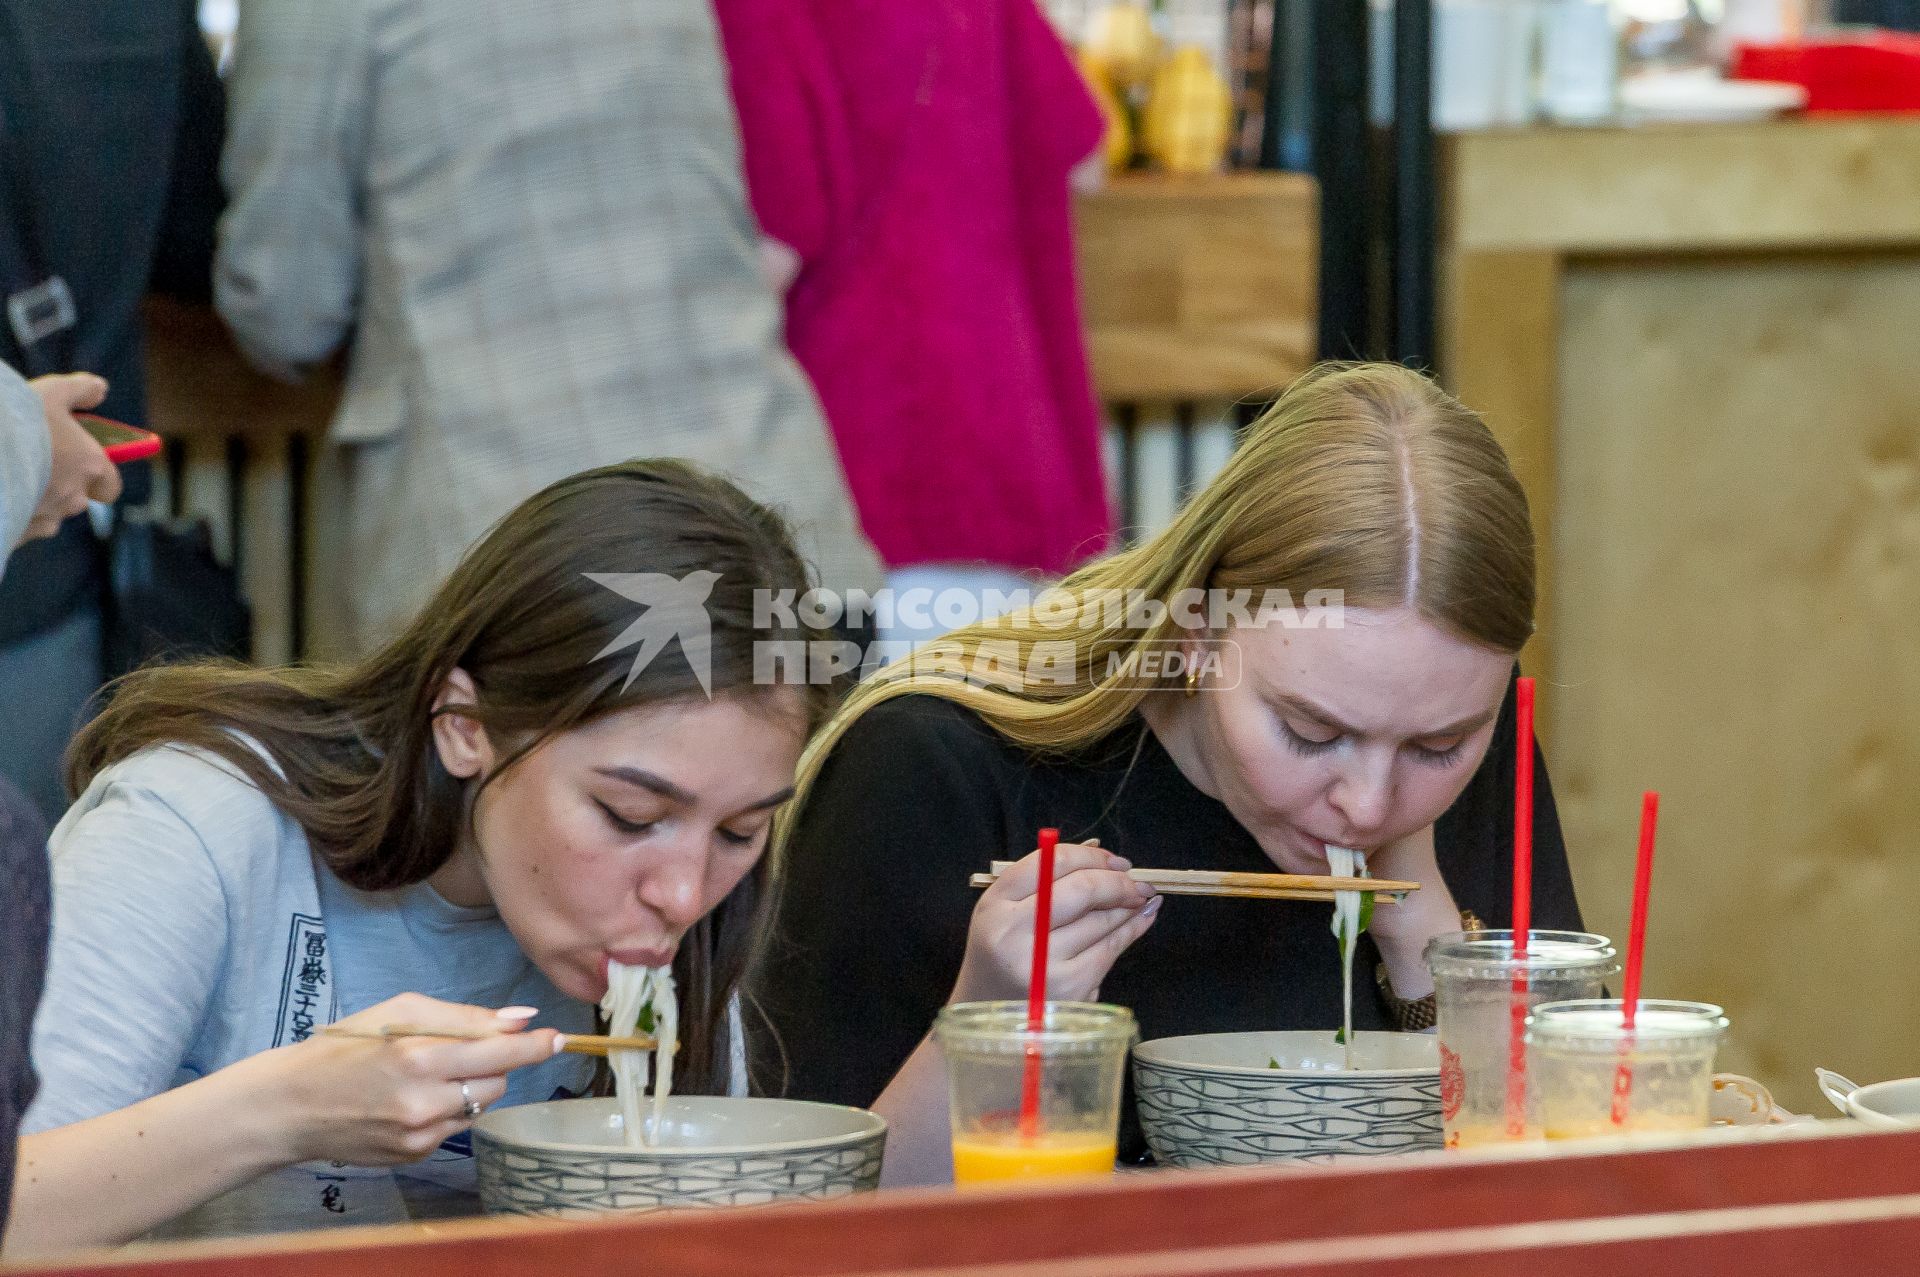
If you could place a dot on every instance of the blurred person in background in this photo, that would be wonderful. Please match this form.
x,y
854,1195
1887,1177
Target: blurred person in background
x,y
909,162
110,126
50,467
527,222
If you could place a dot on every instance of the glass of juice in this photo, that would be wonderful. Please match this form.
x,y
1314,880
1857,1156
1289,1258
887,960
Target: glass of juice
x,y
1071,1068
1476,979
1582,1055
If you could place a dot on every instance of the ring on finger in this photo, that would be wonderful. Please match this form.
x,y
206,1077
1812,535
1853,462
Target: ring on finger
x,y
469,1106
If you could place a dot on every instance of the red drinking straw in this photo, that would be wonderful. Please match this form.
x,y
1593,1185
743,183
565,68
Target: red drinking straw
x,y
1037,986
1636,946
1522,910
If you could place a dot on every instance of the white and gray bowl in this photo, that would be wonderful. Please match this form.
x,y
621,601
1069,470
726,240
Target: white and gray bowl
x,y
1212,1099
570,1157
1889,1106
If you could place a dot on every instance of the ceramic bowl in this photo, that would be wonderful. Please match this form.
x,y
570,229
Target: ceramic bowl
x,y
570,1157
1891,1106
1229,1099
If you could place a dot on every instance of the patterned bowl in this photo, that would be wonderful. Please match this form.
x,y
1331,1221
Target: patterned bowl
x,y
1217,1099
569,1157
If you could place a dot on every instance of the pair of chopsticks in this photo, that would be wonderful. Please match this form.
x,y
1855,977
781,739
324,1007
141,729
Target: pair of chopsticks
x,y
575,1043
1246,886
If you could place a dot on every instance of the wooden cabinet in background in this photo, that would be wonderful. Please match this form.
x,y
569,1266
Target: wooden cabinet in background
x,y
1698,343
1199,288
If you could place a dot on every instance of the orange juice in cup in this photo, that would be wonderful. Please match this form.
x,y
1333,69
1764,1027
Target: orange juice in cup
x,y
985,1156
1034,1103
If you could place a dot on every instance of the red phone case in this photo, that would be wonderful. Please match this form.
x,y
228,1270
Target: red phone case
x,y
121,450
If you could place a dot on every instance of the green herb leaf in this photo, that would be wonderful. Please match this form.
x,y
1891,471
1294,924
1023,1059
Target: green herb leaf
x,y
646,1019
1340,1036
1272,1063
1365,921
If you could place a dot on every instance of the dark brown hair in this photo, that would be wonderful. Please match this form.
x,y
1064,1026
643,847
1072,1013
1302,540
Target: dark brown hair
x,y
351,747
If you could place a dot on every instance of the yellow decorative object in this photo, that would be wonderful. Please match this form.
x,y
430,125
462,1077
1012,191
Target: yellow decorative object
x,y
1188,123
1117,145
1122,40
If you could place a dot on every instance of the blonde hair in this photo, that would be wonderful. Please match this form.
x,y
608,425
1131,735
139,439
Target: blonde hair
x,y
1363,478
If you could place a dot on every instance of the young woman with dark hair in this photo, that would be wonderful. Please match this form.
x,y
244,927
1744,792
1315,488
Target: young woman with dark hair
x,y
534,779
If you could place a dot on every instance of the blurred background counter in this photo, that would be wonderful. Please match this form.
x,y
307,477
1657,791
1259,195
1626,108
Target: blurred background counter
x,y
1698,343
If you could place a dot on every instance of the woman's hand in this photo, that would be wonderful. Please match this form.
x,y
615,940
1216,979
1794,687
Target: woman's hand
x,y
81,471
1097,912
372,1102
363,1101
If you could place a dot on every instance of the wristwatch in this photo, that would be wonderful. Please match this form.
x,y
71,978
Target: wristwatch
x,y
1410,1015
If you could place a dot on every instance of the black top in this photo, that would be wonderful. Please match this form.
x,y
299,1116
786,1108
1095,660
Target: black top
x,y
920,794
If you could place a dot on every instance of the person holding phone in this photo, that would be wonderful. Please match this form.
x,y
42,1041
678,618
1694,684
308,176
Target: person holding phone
x,y
110,126
50,465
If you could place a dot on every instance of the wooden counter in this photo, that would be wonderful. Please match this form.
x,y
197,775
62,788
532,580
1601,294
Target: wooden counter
x,y
1781,1203
1699,343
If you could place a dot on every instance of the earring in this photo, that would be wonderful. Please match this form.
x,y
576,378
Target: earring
x,y
1193,681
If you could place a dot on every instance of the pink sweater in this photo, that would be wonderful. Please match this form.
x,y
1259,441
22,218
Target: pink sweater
x,y
915,154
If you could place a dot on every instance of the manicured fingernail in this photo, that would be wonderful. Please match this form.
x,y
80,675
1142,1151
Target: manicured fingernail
x,y
1119,862
1091,842
559,1043
1153,907
517,1013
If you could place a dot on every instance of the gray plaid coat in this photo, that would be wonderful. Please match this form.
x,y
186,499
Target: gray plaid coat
x,y
527,218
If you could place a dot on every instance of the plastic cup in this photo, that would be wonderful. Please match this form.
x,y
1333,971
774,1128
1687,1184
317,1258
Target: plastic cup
x,y
1575,1051
1081,1054
1474,974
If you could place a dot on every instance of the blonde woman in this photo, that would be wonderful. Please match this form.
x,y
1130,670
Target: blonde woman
x,y
1169,704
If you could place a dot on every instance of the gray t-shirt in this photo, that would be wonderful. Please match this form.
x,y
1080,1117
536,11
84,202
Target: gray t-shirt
x,y
193,927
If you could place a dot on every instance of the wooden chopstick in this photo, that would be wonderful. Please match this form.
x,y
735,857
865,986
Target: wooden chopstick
x,y
594,1044
575,1044
1247,886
